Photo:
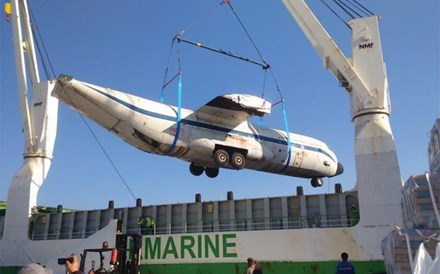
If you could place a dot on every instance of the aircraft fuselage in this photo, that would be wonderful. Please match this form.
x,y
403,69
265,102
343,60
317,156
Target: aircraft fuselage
x,y
208,145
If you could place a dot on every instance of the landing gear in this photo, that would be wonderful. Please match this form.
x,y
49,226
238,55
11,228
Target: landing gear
x,y
317,182
221,157
238,161
196,170
211,172
224,158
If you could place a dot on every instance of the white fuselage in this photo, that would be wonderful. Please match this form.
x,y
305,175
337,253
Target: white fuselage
x,y
153,127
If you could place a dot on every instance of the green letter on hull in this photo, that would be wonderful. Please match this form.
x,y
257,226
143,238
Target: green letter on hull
x,y
153,251
187,243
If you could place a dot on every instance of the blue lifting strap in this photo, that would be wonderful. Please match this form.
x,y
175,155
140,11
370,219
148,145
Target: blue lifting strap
x,y
289,148
179,107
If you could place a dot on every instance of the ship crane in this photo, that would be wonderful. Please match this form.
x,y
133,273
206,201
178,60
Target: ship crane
x,y
364,78
39,112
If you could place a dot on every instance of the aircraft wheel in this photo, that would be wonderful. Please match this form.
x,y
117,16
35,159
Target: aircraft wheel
x,y
317,182
238,161
211,172
221,157
195,170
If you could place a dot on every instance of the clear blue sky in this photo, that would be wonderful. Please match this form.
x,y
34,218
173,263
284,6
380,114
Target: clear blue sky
x,y
124,45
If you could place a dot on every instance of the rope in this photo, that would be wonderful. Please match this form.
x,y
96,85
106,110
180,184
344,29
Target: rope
x,y
101,147
42,50
363,8
245,30
286,124
334,12
36,33
202,18
356,9
165,82
107,156
263,64
262,94
344,7
276,85
352,8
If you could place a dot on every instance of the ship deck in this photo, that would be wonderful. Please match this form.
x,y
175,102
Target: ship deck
x,y
269,213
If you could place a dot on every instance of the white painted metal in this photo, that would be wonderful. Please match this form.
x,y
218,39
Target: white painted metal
x,y
39,120
332,57
301,245
378,175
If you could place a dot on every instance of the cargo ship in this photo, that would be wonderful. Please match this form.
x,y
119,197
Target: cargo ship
x,y
287,234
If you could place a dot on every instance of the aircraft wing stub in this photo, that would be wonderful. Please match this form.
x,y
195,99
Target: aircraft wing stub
x,y
233,109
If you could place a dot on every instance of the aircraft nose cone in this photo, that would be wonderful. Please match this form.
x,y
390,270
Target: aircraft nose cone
x,y
340,169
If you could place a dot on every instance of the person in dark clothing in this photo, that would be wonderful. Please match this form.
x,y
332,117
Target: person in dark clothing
x,y
345,267
257,269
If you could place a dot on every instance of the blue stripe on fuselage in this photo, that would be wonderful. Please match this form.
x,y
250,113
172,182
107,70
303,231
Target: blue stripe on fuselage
x,y
211,127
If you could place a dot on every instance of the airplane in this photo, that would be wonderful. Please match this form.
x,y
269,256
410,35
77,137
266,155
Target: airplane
x,y
218,135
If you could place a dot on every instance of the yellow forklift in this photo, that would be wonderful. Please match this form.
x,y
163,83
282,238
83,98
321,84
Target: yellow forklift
x,y
124,259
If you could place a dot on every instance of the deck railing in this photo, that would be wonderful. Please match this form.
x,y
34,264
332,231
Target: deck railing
x,y
300,222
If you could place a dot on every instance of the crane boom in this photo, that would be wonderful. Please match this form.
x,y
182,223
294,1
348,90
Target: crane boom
x,y
24,46
35,102
365,91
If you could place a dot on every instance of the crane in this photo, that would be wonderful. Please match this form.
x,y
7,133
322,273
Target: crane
x,y
39,112
364,78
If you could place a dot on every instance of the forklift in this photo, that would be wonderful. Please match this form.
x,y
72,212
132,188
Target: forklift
x,y
119,263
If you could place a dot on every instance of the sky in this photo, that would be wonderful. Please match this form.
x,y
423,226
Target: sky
x,y
126,45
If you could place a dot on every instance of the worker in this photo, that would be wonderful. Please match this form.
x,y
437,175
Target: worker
x,y
345,267
250,265
146,225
